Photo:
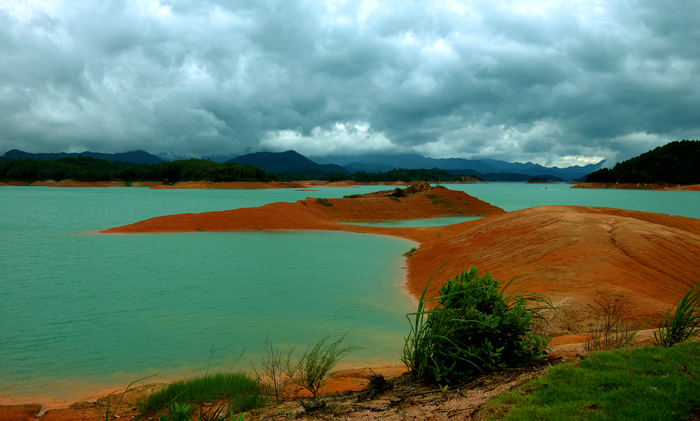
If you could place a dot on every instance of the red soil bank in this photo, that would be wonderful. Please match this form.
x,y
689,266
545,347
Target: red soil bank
x,y
574,255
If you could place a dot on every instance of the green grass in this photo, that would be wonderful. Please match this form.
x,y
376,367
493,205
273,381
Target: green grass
x,y
430,195
651,383
685,321
243,392
323,201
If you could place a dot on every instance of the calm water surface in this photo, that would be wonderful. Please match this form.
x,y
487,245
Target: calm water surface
x,y
81,311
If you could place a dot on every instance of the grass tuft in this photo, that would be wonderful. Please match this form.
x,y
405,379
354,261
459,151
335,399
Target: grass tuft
x,y
323,201
685,322
314,368
243,392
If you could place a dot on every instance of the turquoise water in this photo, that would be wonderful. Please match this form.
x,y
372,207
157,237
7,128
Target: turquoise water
x,y
81,311
514,196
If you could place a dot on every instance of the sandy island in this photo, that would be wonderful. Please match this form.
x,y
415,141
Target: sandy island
x,y
577,256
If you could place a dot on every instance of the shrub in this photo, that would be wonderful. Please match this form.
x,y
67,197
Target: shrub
x,y
271,375
684,323
323,201
613,327
313,370
410,252
476,327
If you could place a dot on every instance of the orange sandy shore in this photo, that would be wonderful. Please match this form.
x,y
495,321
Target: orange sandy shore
x,y
577,256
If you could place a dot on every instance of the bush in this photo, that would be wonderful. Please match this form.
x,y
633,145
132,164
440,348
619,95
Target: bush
x,y
323,201
475,328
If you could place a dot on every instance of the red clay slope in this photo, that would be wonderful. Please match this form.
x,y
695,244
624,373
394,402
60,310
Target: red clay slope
x,y
575,255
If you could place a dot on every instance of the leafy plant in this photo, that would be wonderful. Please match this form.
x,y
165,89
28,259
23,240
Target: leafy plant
x,y
475,327
177,413
314,368
684,323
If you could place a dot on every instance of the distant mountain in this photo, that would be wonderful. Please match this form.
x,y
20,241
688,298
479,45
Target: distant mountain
x,y
483,167
354,167
673,163
133,157
501,176
287,162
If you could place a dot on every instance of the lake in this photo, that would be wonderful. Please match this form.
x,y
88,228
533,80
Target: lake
x,y
81,312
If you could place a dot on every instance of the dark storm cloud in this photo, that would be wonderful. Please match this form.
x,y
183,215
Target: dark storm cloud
x,y
550,82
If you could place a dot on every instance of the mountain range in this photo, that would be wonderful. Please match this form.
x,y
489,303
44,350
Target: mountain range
x,y
291,162
133,157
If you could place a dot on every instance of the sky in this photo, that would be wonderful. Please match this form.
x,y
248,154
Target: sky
x,y
552,82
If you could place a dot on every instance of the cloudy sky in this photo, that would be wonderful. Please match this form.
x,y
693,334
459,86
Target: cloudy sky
x,y
553,82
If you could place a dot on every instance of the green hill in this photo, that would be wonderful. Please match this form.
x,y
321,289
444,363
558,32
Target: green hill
x,y
673,163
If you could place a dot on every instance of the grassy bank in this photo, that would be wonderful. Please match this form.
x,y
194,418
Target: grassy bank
x,y
651,383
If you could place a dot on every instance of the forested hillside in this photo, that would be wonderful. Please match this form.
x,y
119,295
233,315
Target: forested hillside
x,y
673,163
93,169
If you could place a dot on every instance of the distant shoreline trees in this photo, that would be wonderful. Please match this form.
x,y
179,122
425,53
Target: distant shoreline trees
x,y
84,168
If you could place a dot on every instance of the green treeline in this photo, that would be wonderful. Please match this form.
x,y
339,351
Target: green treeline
x,y
674,163
86,168
93,169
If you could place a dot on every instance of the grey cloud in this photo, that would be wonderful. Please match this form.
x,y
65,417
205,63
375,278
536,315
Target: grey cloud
x,y
207,78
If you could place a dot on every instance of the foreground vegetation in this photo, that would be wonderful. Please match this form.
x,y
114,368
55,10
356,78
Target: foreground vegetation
x,y
650,383
476,327
239,392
